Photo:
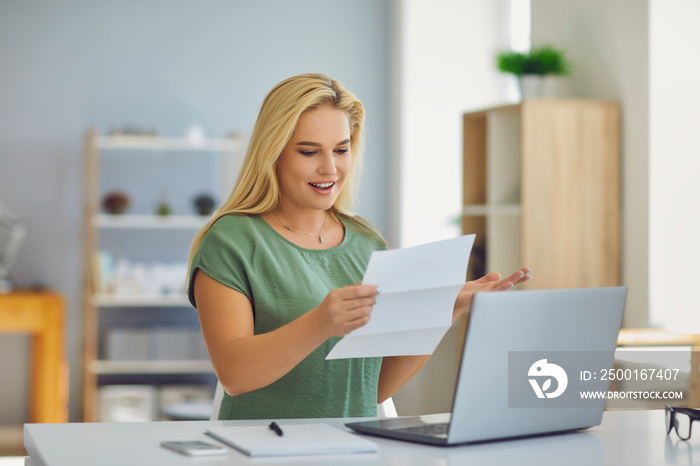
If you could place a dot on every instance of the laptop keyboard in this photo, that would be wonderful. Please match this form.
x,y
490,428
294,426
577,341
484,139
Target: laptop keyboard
x,y
434,430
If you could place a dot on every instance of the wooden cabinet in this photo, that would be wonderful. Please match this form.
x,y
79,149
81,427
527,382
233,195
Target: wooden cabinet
x,y
42,316
542,190
136,261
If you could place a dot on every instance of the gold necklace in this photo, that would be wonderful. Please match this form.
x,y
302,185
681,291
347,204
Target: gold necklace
x,y
320,233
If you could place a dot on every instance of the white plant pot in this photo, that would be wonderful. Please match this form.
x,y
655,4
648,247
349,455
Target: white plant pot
x,y
531,86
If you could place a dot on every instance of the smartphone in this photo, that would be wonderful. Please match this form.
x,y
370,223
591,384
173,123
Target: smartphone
x,y
194,448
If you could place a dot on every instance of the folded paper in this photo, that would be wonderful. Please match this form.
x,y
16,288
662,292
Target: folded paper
x,y
414,311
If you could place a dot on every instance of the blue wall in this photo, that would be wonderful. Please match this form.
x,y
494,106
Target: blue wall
x,y
66,66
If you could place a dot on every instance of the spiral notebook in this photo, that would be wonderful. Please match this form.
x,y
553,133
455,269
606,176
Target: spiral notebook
x,y
297,440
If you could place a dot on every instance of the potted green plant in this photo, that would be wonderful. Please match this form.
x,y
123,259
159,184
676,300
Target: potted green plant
x,y
531,67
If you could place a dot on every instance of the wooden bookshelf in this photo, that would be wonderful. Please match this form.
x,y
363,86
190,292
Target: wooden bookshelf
x,y
542,190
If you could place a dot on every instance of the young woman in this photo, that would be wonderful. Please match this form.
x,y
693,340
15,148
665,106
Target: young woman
x,y
274,274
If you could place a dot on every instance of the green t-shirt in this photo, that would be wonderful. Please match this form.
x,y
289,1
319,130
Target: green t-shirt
x,y
283,281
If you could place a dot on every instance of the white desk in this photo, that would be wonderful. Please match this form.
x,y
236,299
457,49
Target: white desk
x,y
624,438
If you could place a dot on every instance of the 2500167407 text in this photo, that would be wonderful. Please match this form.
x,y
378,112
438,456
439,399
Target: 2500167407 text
x,y
631,374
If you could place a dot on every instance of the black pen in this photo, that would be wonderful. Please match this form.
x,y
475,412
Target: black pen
x,y
276,428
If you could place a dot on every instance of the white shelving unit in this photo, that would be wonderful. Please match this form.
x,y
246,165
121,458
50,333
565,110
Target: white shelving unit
x,y
160,310
106,300
151,367
170,222
160,143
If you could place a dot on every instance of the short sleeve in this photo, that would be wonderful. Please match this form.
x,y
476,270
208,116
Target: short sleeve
x,y
224,256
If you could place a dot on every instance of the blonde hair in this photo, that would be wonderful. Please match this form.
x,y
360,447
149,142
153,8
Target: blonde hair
x,y
256,191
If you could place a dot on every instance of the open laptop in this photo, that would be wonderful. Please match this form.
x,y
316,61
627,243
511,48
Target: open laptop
x,y
527,358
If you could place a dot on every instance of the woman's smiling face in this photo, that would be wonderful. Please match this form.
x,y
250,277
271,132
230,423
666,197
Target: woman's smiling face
x,y
315,163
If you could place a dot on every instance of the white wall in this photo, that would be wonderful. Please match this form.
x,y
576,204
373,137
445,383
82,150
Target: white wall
x,y
445,66
607,41
70,65
643,54
674,164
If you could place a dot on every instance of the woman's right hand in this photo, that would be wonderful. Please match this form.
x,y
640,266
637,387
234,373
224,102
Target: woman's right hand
x,y
345,309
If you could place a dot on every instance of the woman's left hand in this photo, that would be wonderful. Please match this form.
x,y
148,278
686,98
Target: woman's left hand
x,y
489,282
